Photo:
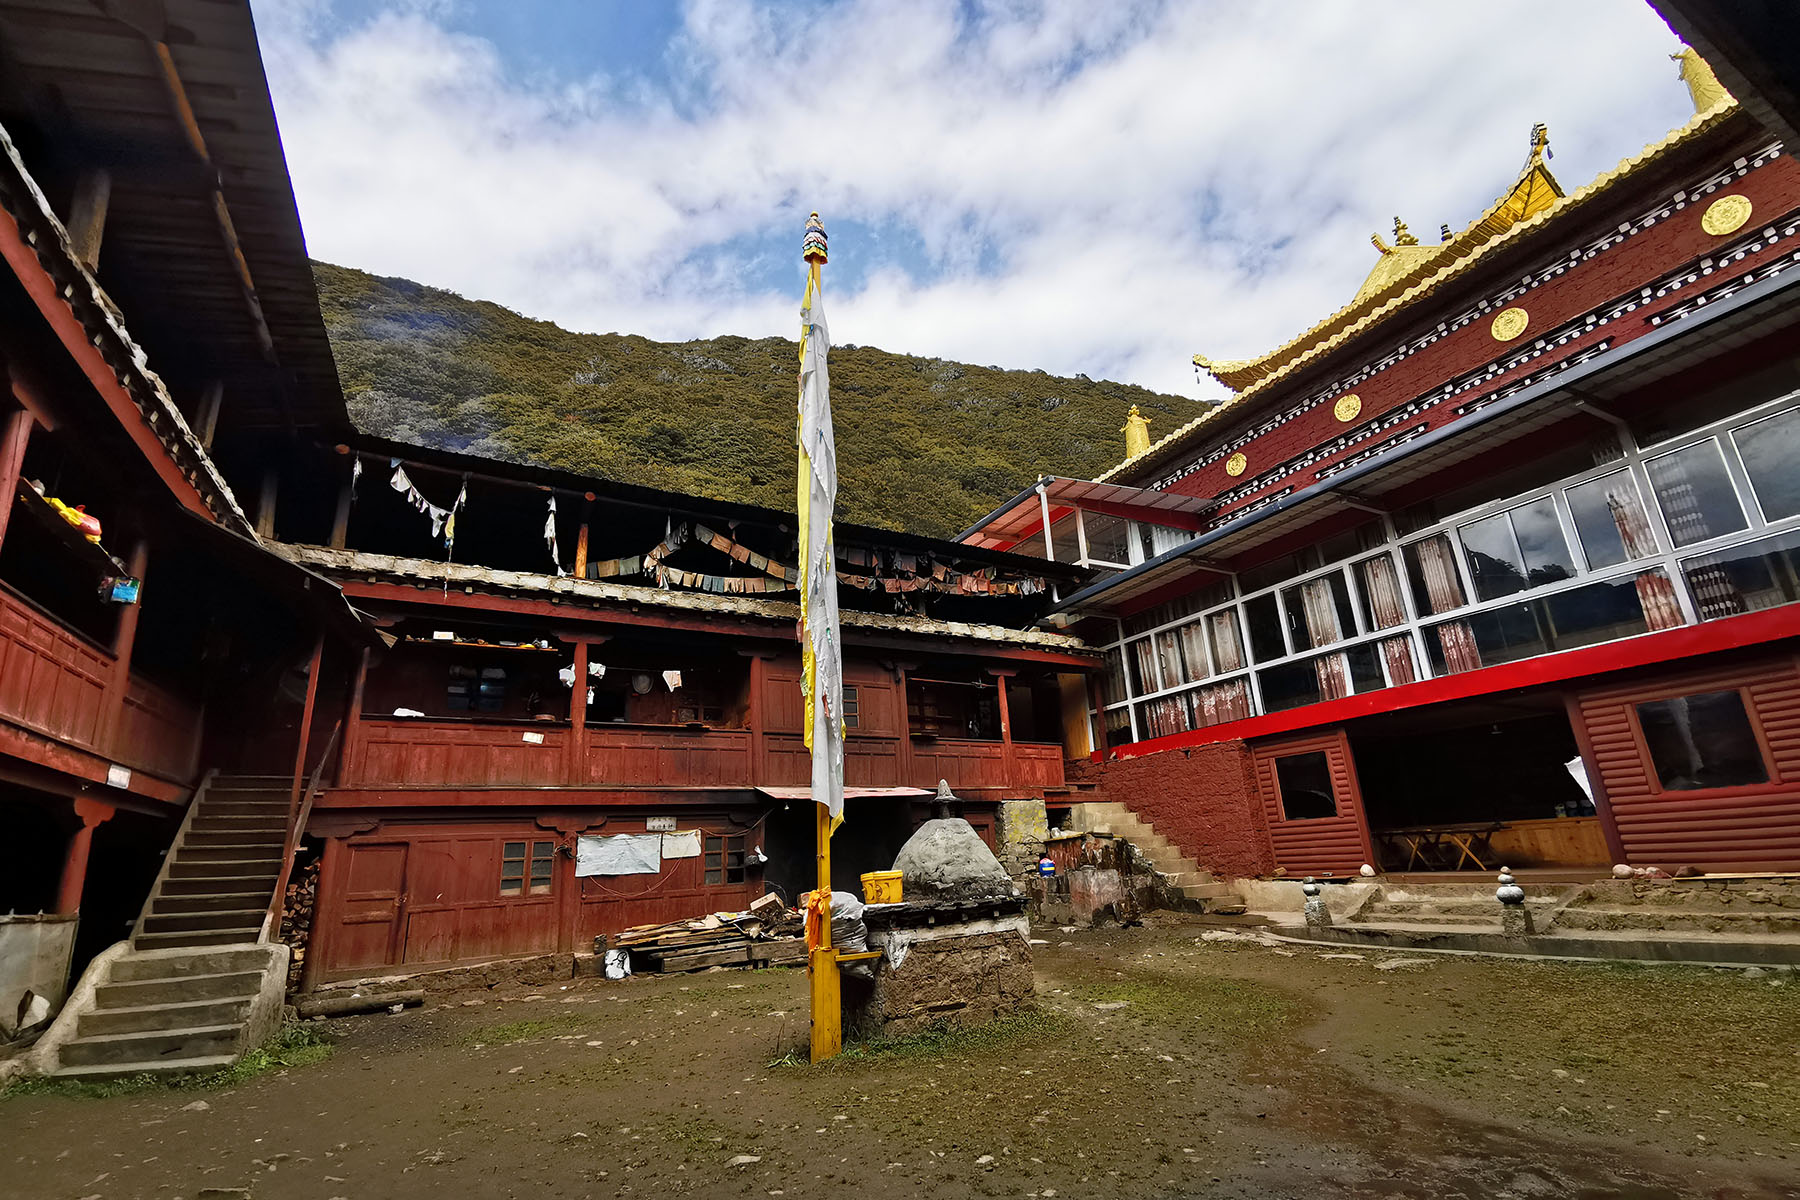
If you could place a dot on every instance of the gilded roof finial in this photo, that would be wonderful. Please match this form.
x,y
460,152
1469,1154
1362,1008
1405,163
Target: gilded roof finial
x,y
1402,237
1703,86
1137,433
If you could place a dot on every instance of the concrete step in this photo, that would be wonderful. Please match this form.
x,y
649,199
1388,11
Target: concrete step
x,y
269,841
1183,879
1649,919
208,902
154,1045
142,993
1412,920
186,1014
1208,891
1473,907
192,962
237,851
194,880
200,937
230,918
188,1066
212,870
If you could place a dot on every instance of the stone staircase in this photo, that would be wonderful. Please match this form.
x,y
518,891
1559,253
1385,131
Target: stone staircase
x,y
1181,872
1463,906
1757,908
198,984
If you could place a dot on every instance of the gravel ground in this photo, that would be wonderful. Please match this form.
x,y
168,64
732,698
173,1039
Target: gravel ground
x,y
1158,1063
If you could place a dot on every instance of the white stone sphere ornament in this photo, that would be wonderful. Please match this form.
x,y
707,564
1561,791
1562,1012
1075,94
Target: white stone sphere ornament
x,y
1366,871
1509,891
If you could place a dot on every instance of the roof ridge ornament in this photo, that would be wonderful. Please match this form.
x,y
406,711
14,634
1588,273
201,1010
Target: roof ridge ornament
x,y
1703,85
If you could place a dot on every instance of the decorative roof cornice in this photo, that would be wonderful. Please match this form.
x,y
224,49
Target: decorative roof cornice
x,y
1358,318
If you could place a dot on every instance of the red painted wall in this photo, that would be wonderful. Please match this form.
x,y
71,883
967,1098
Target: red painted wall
x,y
1203,799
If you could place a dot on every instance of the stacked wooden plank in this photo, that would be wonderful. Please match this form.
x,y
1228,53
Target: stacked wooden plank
x,y
759,938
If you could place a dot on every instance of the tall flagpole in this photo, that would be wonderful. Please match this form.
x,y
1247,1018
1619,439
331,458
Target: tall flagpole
x,y
822,667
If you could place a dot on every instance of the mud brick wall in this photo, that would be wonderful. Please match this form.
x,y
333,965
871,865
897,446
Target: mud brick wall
x,y
1202,798
960,980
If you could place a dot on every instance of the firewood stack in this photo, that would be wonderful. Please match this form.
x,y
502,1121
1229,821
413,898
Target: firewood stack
x,y
296,917
767,934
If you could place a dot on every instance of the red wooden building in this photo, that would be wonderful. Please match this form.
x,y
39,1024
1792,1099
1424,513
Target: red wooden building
x,y
430,676
1494,564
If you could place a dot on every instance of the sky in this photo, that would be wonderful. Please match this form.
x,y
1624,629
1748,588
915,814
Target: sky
x,y
1104,187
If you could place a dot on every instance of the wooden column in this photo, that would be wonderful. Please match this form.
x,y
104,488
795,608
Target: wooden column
x,y
74,872
347,761
340,518
124,640
581,537
14,436
206,413
1009,759
305,731
907,766
87,215
576,771
265,502
756,717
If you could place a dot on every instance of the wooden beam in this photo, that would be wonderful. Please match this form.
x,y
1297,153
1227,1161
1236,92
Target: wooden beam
x,y
87,215
577,769
340,517
14,436
265,502
206,415
347,757
305,732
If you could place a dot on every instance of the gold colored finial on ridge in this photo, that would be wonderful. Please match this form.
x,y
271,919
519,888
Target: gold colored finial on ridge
x,y
1703,85
1137,433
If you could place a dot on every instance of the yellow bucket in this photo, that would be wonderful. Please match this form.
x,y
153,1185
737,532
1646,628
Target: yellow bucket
x,y
881,887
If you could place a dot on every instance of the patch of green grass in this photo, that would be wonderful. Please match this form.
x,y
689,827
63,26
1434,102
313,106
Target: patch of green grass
x,y
1032,1026
1243,1006
292,1046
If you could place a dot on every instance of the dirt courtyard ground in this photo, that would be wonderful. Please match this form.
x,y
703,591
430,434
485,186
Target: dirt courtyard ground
x,y
1158,1064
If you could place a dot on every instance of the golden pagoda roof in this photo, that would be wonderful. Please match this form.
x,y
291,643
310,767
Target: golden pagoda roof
x,y
1534,199
1534,190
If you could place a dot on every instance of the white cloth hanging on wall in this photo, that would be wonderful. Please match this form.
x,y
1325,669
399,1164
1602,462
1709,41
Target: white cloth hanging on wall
x,y
621,854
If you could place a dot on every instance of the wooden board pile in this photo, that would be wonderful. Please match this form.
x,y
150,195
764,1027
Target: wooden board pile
x,y
765,935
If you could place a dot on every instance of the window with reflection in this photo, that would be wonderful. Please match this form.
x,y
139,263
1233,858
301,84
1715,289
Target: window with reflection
x,y
1515,550
1264,619
1610,520
1304,782
1319,612
1748,578
1695,493
1770,449
1702,741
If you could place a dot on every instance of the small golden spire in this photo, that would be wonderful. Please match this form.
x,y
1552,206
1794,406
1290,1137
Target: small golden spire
x,y
1403,237
1137,433
1703,86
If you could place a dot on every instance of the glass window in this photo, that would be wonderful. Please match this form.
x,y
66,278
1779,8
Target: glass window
x,y
1382,606
1118,728
512,868
1771,452
1431,573
1609,519
1304,781
1319,612
1702,741
1108,538
852,708
543,863
1748,578
1695,492
724,858
1515,550
1146,667
1289,685
1264,619
1227,644
1365,668
1582,616
1112,677
1164,716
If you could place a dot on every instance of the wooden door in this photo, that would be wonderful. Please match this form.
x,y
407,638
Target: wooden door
x,y
1314,808
374,890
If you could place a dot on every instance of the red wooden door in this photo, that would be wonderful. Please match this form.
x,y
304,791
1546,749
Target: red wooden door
x,y
1314,808
375,882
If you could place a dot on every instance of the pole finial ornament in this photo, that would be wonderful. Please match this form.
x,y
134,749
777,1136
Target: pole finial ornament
x,y
812,246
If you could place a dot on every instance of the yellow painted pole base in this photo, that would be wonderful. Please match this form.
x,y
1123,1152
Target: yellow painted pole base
x,y
827,1005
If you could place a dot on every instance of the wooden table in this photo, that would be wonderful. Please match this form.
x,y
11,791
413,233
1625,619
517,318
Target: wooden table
x,y
1437,845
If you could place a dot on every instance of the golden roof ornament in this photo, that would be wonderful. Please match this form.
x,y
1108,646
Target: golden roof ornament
x,y
1703,86
1137,433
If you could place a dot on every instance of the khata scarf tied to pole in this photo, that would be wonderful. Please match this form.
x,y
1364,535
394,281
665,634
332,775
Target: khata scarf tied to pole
x,y
822,663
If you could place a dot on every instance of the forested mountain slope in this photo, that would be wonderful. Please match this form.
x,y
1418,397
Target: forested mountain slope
x,y
923,444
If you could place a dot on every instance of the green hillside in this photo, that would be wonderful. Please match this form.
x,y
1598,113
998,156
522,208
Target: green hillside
x,y
923,444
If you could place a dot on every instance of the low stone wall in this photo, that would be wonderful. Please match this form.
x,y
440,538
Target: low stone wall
x,y
960,974
1099,879
1019,831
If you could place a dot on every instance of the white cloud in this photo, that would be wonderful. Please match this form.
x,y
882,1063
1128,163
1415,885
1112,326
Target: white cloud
x,y
1143,180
